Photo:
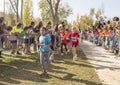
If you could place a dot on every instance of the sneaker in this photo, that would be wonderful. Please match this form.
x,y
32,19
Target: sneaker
x,y
20,47
13,54
61,53
44,74
75,57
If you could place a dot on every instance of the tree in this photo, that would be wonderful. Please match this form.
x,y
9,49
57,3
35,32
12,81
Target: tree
x,y
64,11
21,10
92,11
53,11
14,5
99,13
84,22
27,12
87,21
9,14
45,11
77,22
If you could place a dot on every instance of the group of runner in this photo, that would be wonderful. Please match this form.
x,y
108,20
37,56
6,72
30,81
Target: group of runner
x,y
45,39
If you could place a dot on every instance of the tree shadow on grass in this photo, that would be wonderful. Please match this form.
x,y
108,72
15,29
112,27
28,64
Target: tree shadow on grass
x,y
31,56
67,59
69,56
69,77
27,68
9,73
78,64
2,84
22,70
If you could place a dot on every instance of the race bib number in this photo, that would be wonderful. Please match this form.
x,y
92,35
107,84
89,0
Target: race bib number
x,y
42,43
74,39
62,38
67,38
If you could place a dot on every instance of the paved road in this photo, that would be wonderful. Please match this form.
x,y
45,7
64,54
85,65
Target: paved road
x,y
106,64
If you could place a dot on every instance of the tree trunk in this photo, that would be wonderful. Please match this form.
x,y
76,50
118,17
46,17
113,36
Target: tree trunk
x,y
17,15
21,10
54,12
15,8
4,9
54,20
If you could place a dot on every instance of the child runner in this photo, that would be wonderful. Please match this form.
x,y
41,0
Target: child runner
x,y
63,41
67,32
44,48
74,40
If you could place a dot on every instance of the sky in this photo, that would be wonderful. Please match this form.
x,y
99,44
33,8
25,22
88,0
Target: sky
x,y
81,7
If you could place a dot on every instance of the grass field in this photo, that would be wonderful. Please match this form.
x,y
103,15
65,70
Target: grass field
x,y
25,70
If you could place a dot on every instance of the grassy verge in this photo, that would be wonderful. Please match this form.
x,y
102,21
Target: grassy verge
x,y
25,70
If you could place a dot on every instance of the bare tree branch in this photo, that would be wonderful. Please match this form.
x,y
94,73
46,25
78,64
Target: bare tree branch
x,y
54,10
48,1
13,6
51,7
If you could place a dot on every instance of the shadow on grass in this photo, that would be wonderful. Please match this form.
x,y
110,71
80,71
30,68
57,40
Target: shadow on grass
x,y
28,68
12,72
22,70
69,77
2,84
30,56
67,59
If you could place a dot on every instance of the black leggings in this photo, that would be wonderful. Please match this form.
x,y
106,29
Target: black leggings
x,y
62,47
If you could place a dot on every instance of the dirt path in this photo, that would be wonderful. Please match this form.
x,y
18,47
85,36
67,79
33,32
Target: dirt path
x,y
106,64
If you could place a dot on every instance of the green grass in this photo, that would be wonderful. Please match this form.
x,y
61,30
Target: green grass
x,y
25,70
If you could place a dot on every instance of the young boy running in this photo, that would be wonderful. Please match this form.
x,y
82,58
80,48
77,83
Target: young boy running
x,y
63,41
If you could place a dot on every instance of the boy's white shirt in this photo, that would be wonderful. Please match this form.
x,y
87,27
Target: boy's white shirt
x,y
31,33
